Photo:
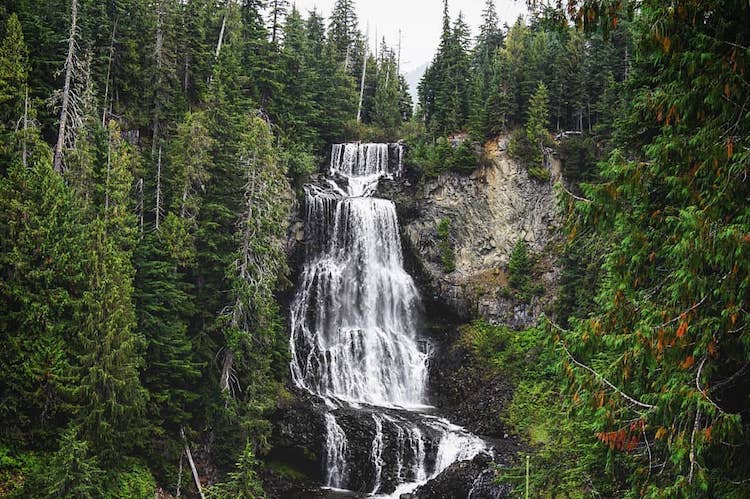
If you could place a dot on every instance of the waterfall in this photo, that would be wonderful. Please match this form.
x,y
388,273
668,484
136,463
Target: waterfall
x,y
354,328
377,452
335,453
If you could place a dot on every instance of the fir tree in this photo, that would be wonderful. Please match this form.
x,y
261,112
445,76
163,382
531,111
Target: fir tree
x,y
538,121
74,472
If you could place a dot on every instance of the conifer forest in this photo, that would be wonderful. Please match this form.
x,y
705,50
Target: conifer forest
x,y
241,258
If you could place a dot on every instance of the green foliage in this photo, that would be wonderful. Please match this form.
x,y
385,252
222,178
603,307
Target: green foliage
x,y
579,278
519,268
136,482
524,151
445,246
434,159
243,482
578,155
13,74
665,330
73,471
538,121
43,264
444,88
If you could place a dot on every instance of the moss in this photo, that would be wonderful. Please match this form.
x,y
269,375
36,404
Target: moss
x,y
539,173
447,256
286,470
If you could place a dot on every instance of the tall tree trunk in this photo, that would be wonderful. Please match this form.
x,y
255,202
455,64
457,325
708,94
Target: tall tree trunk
x,y
274,23
159,57
221,35
25,125
158,210
141,203
109,70
362,83
69,61
192,465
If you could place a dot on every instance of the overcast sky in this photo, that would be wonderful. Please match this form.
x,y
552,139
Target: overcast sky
x,y
420,21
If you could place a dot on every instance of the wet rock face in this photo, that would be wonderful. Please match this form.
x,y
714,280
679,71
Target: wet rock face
x,y
473,479
466,393
488,211
298,437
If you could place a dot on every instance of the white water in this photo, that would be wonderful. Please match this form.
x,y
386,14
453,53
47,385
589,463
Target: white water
x,y
354,339
335,453
377,451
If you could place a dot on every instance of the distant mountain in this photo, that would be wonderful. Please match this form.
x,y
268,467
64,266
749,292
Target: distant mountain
x,y
413,77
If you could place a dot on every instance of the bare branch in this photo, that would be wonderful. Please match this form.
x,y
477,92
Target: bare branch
x,y
577,198
606,381
700,389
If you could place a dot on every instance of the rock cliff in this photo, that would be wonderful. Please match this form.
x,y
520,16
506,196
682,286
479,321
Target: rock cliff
x,y
486,213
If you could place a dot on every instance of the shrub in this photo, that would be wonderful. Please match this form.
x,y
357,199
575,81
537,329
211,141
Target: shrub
x,y
523,151
434,159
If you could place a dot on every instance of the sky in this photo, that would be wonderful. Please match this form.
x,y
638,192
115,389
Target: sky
x,y
420,21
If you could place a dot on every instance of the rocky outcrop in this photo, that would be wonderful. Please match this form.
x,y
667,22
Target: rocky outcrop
x,y
488,212
468,392
473,479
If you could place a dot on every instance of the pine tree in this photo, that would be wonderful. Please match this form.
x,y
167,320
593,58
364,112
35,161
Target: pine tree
x,y
538,121
300,109
110,394
484,70
665,334
244,482
386,109
14,91
13,75
43,267
277,12
343,33
519,267
163,306
74,471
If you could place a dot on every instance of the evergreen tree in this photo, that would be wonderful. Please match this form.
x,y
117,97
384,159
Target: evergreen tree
x,y
343,33
43,267
484,69
243,483
519,267
665,330
163,306
277,12
444,89
110,394
74,472
386,109
538,121
13,75
14,90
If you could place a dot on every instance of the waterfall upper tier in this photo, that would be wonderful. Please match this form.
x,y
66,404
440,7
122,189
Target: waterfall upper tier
x,y
354,320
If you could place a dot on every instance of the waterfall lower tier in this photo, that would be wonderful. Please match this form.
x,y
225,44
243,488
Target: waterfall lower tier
x,y
395,450
355,339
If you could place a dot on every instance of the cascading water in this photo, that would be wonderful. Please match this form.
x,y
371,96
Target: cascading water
x,y
354,336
